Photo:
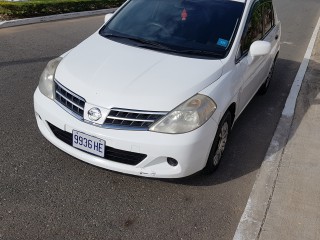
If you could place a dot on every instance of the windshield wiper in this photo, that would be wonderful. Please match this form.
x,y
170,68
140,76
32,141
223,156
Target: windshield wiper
x,y
158,46
143,42
200,53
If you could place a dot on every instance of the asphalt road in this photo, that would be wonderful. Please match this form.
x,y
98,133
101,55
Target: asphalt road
x,y
47,194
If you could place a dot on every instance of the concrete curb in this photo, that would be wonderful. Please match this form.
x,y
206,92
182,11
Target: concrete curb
x,y
255,213
25,21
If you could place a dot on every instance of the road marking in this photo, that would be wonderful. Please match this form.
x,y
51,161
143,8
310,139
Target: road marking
x,y
257,207
49,18
295,89
287,43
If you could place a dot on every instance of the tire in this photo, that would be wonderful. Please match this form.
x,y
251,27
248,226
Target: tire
x,y
219,144
265,86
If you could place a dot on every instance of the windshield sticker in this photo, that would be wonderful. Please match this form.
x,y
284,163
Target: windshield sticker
x,y
184,15
222,42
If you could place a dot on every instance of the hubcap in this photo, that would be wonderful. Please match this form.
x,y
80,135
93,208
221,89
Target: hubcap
x,y
223,136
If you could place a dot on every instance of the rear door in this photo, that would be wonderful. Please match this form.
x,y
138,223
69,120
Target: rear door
x,y
270,34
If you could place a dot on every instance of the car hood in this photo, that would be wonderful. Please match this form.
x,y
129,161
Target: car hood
x,y
110,74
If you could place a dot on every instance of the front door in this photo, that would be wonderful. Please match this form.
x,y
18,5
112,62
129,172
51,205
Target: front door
x,y
260,26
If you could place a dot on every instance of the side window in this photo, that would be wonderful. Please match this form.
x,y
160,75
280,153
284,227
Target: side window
x,y
268,17
254,29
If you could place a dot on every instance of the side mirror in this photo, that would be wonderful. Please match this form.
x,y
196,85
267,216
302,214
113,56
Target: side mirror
x,y
257,49
260,48
107,17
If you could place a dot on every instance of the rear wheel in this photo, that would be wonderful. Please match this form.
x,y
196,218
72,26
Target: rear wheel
x,y
219,144
264,88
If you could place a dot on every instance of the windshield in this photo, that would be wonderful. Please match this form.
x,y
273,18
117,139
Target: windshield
x,y
196,27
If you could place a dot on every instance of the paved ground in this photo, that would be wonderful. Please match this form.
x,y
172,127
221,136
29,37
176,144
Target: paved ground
x,y
46,194
279,189
294,209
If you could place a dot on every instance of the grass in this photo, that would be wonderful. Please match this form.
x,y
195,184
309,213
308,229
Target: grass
x,y
36,8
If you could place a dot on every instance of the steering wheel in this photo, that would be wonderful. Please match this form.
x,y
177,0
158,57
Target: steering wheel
x,y
159,26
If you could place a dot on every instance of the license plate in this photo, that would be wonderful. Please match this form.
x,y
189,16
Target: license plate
x,y
88,143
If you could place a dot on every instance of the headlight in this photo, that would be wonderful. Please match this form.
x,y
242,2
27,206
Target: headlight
x,y
46,83
188,116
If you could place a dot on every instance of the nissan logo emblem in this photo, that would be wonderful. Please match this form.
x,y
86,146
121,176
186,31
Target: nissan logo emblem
x,y
94,114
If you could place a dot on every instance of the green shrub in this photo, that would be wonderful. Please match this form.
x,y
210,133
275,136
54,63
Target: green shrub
x,y
35,8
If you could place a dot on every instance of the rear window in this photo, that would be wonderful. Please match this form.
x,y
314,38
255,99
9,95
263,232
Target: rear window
x,y
207,26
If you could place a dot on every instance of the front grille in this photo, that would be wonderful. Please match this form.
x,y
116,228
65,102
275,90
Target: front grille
x,y
113,154
130,119
68,100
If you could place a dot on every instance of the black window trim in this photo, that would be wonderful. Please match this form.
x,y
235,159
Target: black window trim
x,y
273,17
238,60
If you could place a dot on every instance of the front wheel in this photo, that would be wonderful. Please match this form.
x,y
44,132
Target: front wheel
x,y
219,144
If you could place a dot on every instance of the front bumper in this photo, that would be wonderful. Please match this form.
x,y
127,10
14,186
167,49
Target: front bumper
x,y
191,149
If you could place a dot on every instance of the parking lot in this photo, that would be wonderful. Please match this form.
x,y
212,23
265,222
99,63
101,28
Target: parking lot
x,y
47,194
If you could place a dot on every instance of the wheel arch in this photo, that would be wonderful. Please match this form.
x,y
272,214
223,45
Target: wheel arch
x,y
232,110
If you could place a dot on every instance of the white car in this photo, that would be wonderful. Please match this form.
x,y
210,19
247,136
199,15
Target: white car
x,y
155,91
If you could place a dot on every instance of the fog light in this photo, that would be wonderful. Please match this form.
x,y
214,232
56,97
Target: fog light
x,y
172,162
